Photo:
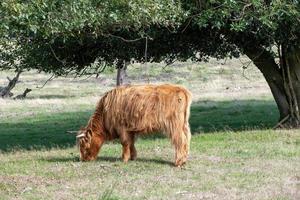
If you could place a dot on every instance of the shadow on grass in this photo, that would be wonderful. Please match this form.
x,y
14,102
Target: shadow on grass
x,y
49,130
215,116
49,96
44,131
108,159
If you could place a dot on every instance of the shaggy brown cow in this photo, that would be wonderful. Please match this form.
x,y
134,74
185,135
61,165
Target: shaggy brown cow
x,y
127,111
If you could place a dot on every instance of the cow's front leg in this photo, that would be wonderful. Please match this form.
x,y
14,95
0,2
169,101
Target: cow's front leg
x,y
125,141
126,152
133,153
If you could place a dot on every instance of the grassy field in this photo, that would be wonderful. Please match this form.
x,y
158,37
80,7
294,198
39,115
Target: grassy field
x,y
235,154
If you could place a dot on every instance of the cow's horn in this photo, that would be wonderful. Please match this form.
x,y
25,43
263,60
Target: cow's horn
x,y
72,132
80,135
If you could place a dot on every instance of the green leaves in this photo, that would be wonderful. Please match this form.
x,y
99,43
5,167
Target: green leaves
x,y
70,17
239,26
271,21
81,31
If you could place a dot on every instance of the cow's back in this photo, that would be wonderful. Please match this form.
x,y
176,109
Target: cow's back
x,y
146,108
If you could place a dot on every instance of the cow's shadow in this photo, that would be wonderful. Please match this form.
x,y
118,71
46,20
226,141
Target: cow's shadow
x,y
109,159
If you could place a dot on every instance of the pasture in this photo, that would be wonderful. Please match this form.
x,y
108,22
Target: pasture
x,y
235,153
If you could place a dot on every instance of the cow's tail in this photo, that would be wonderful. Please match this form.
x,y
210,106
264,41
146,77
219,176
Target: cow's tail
x,y
186,128
181,134
182,137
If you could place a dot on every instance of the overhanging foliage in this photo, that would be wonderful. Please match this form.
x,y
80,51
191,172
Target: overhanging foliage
x,y
66,36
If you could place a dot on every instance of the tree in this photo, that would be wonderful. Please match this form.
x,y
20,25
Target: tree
x,y
65,37
268,33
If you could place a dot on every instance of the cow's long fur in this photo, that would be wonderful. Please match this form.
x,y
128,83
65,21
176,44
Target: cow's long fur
x,y
130,110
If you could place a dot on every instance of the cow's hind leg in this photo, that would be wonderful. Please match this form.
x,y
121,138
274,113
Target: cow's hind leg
x,y
188,135
133,153
180,157
180,142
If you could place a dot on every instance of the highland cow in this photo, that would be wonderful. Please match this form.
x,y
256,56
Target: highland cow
x,y
128,111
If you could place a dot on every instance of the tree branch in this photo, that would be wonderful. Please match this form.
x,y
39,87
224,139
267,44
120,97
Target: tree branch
x,y
56,57
126,40
279,124
147,70
49,79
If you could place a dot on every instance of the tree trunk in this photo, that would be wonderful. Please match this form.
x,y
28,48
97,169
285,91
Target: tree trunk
x,y
283,81
6,91
291,74
121,73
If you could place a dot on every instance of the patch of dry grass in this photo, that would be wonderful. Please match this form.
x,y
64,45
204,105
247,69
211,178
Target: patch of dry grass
x,y
243,165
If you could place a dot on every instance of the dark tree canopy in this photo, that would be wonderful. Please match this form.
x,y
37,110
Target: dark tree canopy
x,y
60,36
67,36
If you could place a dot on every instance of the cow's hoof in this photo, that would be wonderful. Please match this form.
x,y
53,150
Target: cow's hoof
x,y
125,160
133,157
180,162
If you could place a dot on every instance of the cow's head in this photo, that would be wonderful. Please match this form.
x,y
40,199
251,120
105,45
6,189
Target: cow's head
x,y
89,144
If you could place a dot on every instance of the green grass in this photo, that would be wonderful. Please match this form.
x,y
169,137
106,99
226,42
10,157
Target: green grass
x,y
235,154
